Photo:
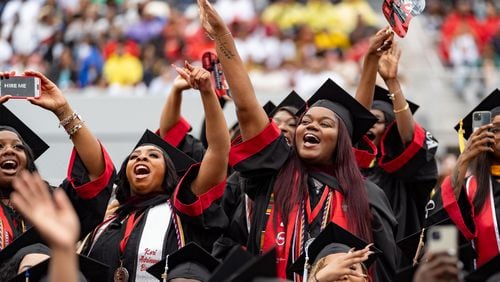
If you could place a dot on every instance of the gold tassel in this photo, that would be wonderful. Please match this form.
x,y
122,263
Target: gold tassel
x,y
461,138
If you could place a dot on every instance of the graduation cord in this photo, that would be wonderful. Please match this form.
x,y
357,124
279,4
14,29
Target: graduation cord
x,y
179,233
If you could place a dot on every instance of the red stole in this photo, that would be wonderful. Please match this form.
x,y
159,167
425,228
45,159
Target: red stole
x,y
6,233
288,238
487,241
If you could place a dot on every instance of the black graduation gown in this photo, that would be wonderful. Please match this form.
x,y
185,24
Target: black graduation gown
x,y
258,161
179,137
407,174
202,220
89,198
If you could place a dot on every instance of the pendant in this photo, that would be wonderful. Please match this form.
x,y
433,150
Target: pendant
x,y
121,274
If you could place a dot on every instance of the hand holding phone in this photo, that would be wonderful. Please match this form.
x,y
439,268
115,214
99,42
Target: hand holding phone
x,y
20,87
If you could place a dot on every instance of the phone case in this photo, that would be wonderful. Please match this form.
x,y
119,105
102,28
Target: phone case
x,y
21,87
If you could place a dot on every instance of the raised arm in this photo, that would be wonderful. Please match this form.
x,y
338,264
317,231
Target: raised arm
x,y
379,43
171,112
251,116
388,69
213,167
86,144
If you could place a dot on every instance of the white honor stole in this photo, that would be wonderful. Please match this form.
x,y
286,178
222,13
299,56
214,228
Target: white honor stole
x,y
150,249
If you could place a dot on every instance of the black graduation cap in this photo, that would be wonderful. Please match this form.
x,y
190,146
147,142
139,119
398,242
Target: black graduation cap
x,y
491,102
333,239
490,271
257,268
37,145
357,118
90,268
190,261
182,162
234,260
269,107
292,103
382,101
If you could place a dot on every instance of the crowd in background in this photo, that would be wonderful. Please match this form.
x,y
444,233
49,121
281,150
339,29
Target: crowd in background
x,y
82,43
467,37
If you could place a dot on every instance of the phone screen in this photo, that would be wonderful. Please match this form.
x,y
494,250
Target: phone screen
x,y
20,86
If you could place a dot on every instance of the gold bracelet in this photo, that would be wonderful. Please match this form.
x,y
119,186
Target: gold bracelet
x,y
406,107
74,129
69,119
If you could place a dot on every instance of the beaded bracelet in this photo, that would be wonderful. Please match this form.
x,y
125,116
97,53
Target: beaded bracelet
x,y
406,107
69,119
74,129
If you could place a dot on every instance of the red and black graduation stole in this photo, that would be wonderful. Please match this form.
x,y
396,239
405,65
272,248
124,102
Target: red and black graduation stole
x,y
293,237
6,232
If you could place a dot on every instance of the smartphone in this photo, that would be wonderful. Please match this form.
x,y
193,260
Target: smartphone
x,y
480,118
442,238
20,87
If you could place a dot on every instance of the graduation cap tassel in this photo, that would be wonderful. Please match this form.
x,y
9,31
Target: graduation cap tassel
x,y
306,262
419,247
164,275
461,138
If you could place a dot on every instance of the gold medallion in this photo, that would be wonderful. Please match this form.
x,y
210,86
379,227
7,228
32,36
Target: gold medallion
x,y
121,274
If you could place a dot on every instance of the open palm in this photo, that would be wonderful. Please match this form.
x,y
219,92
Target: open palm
x,y
388,64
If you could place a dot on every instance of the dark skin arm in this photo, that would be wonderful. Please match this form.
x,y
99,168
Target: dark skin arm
x,y
171,112
388,69
251,116
213,167
379,43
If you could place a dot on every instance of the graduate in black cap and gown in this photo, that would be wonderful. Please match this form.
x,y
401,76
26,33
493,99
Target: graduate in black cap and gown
x,y
404,167
473,202
298,190
159,213
90,173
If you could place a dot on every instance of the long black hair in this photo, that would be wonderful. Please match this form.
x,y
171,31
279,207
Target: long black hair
x,y
30,159
123,185
481,169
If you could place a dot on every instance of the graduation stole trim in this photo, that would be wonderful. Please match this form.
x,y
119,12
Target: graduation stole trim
x,y
495,170
6,233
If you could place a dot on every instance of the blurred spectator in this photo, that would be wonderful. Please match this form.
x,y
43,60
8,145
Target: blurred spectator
x,y
122,68
63,71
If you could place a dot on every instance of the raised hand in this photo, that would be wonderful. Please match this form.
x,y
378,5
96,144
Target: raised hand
x,y
54,217
180,84
388,64
341,266
481,140
210,20
196,77
437,267
51,97
380,42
